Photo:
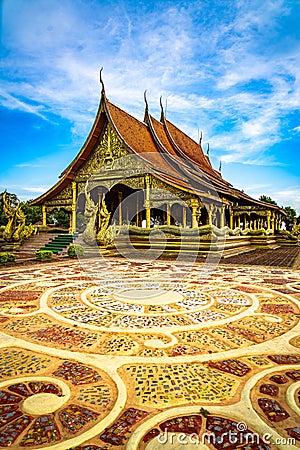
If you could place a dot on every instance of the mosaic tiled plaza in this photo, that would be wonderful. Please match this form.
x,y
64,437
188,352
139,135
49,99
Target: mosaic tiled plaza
x,y
147,355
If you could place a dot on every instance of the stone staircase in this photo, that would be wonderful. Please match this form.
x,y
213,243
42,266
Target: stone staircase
x,y
36,242
58,243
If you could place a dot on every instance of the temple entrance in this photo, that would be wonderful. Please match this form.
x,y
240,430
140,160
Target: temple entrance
x,y
125,205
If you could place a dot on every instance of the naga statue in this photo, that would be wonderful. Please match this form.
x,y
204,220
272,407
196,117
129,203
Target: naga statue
x,y
105,235
90,215
10,214
15,229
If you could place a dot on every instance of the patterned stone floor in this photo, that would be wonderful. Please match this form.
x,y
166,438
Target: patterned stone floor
x,y
121,355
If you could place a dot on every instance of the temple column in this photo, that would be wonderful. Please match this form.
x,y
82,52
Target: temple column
x,y
268,220
295,225
137,210
222,217
120,197
194,205
231,225
272,223
147,201
168,214
183,217
44,215
209,214
73,213
239,221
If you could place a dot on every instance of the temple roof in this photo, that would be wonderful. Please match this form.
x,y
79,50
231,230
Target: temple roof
x,y
169,153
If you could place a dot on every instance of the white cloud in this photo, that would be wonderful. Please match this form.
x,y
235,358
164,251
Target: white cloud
x,y
233,73
40,189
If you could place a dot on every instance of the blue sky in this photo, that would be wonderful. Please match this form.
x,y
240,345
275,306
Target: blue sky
x,y
228,68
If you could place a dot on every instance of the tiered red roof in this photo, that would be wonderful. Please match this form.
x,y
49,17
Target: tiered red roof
x,y
169,153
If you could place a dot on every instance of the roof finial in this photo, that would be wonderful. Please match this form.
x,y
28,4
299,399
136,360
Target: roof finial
x,y
220,167
101,82
200,140
207,151
162,115
147,107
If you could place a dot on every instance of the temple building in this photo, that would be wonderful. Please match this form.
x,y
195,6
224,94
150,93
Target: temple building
x,y
166,175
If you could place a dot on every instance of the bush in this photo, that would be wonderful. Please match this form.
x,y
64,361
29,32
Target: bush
x,y
7,257
43,255
75,250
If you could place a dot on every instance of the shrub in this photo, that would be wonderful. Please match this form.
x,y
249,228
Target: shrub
x,y
7,257
75,250
43,255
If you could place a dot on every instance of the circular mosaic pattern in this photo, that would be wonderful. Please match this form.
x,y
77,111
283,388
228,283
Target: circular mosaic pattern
x,y
137,308
141,346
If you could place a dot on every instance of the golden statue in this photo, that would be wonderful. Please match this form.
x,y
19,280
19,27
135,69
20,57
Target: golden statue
x,y
105,234
10,214
15,229
90,214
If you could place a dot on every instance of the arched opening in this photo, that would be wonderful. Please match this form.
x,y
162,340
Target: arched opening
x,y
58,217
125,205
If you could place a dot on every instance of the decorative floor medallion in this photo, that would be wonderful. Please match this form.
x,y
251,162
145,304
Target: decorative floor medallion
x,y
133,355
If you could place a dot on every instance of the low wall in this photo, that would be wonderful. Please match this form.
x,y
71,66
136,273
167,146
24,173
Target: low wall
x,y
223,247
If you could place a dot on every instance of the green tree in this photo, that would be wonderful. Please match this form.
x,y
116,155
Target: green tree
x,y
290,216
266,199
33,213
59,217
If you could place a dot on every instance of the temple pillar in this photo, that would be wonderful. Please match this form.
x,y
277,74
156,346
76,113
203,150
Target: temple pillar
x,y
184,217
168,214
147,201
137,210
44,215
194,205
231,224
295,225
222,216
268,220
120,198
239,221
73,211
272,223
278,222
209,214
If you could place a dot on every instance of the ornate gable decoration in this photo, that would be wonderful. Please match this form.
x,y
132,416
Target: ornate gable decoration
x,y
62,199
106,153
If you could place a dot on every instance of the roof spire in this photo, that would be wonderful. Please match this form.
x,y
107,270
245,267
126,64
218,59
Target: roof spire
x,y
101,82
162,115
220,167
200,140
207,151
146,107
